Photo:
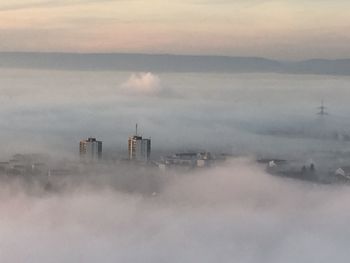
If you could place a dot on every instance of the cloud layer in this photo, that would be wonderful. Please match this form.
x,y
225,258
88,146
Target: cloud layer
x,y
230,213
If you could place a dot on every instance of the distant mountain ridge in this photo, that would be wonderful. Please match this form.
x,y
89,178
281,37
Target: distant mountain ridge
x,y
169,63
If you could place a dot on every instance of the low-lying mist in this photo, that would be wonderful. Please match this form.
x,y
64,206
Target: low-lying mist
x,y
230,213
51,111
234,212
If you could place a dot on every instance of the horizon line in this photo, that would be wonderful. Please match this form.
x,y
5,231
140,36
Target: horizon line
x,y
169,54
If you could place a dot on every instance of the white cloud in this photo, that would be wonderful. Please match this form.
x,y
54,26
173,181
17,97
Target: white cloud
x,y
142,84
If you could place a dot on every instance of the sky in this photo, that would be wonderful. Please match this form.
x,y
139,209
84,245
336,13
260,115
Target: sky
x,y
283,29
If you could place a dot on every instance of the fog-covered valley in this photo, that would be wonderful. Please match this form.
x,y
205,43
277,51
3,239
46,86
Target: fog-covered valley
x,y
234,211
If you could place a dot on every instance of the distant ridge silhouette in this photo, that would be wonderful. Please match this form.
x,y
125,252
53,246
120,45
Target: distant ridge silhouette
x,y
169,63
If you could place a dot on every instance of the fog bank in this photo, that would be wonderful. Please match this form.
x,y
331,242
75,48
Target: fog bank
x,y
233,213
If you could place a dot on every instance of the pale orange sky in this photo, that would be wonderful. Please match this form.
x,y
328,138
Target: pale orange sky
x,y
283,29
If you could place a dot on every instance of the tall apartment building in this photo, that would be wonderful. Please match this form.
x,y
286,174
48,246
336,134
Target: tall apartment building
x,y
139,148
90,149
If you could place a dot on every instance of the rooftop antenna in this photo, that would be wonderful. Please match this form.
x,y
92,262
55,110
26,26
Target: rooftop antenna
x,y
136,129
322,109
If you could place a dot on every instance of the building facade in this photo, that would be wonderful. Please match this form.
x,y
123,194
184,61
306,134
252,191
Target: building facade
x,y
90,149
139,149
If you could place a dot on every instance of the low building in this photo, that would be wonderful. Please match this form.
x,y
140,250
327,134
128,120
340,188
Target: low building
x,y
27,164
188,160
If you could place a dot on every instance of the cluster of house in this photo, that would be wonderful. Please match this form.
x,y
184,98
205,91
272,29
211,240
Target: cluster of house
x,y
31,164
307,171
38,164
35,165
